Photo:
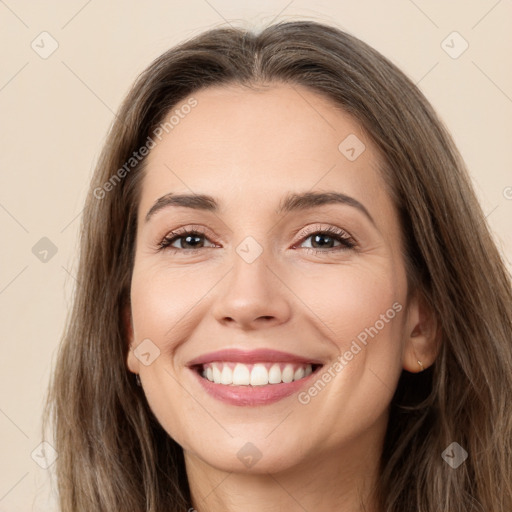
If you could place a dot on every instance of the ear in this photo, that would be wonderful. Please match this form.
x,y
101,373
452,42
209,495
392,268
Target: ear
x,y
131,361
422,335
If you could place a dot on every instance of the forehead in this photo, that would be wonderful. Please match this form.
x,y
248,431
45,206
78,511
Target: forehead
x,y
255,145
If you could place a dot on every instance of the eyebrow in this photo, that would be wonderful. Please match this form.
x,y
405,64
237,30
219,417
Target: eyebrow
x,y
292,202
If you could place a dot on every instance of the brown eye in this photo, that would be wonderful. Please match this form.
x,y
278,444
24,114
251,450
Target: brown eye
x,y
329,239
187,241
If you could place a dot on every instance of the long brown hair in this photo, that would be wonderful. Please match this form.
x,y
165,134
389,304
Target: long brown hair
x,y
114,455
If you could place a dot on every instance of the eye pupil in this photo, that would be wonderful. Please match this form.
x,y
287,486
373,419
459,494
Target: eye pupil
x,y
188,239
320,237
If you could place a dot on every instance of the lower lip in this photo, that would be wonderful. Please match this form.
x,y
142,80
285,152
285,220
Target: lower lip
x,y
253,395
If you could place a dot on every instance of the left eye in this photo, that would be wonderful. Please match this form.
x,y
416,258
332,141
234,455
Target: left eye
x,y
324,239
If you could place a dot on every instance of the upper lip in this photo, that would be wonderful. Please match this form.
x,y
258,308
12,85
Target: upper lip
x,y
251,356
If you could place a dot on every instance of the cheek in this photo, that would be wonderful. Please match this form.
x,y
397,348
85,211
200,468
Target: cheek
x,y
359,311
163,301
349,299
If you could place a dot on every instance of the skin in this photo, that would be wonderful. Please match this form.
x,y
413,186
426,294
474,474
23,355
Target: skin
x,y
248,149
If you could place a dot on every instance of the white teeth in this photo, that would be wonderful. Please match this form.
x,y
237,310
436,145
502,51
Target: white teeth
x,y
299,373
259,374
226,377
241,375
274,374
216,374
288,373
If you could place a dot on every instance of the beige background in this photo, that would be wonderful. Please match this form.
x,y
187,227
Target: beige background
x,y
55,113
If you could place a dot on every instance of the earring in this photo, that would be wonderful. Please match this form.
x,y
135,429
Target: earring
x,y
137,379
421,365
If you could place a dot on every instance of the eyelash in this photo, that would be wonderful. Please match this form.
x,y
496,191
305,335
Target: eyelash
x,y
338,234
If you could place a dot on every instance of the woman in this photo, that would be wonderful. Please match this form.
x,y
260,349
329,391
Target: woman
x,y
289,297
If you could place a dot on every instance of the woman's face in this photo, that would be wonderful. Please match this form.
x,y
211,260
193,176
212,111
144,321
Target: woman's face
x,y
268,268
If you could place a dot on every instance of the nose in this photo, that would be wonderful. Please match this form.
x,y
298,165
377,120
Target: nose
x,y
252,296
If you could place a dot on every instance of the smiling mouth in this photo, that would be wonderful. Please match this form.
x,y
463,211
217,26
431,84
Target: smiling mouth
x,y
229,373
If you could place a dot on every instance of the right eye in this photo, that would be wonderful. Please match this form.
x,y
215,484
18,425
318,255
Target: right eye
x,y
183,237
